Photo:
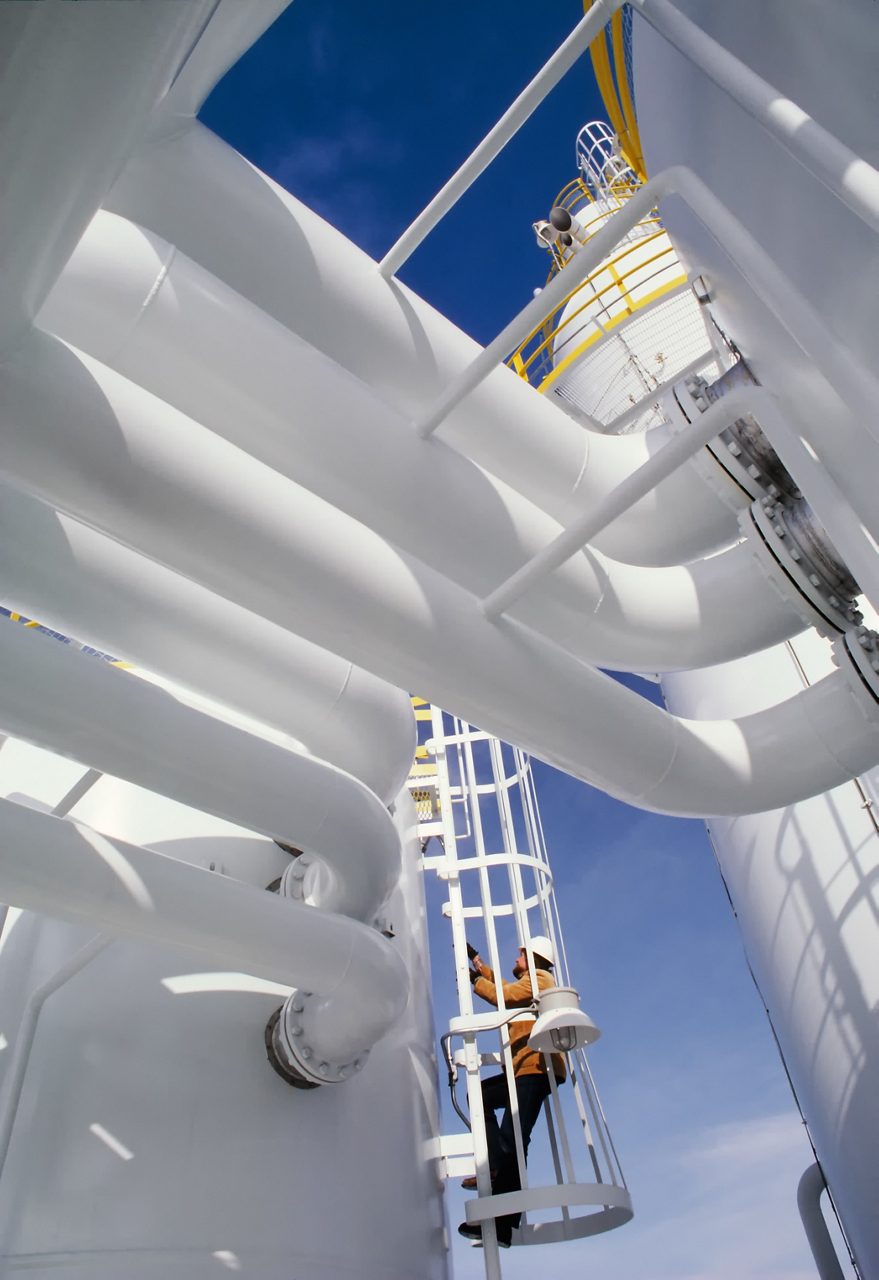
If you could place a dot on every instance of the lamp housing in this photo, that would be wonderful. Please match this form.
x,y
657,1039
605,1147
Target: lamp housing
x,y
561,1024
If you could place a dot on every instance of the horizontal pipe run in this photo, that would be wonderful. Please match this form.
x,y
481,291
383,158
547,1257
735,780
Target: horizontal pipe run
x,y
202,348
13,1081
87,710
86,440
62,868
676,452
851,179
86,585
79,83
195,192
506,128
587,258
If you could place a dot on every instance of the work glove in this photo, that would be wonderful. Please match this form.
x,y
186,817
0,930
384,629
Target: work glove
x,y
473,976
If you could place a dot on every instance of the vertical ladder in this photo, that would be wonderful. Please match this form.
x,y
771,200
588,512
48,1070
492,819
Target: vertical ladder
x,y
477,798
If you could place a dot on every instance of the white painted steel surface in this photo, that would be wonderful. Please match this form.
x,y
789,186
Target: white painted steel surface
x,y
77,89
130,300
85,709
139,498
807,235
161,1057
180,495
321,286
91,587
799,879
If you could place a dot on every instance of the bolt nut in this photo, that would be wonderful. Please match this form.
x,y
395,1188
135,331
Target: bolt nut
x,y
815,580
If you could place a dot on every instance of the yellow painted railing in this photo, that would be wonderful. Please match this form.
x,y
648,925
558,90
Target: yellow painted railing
x,y
606,301
608,56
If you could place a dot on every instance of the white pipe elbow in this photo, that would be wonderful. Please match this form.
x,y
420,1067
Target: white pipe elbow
x,y
197,193
62,868
82,708
231,523
129,301
67,575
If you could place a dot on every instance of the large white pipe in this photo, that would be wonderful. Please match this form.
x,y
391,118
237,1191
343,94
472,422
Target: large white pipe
x,y
128,299
79,82
65,869
59,698
197,193
232,29
94,444
68,576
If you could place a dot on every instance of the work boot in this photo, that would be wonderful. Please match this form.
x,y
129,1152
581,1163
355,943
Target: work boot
x,y
473,1231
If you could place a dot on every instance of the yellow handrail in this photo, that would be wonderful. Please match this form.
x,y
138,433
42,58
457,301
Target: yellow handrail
x,y
616,92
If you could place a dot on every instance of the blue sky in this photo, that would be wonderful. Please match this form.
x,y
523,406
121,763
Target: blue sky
x,y
363,111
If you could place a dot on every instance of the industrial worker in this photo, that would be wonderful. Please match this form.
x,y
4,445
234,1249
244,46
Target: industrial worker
x,y
529,1071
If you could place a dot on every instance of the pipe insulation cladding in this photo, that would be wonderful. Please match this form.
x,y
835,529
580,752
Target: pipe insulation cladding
x,y
65,869
102,593
69,703
197,193
91,443
128,299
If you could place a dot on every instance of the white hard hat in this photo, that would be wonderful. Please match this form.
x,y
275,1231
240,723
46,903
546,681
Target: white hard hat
x,y
541,947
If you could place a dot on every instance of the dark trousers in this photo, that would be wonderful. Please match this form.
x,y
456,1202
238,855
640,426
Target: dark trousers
x,y
531,1090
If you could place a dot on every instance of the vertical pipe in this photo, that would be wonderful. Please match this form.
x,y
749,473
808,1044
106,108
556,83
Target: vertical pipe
x,y
809,1190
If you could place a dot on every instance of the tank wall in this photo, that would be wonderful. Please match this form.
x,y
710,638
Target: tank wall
x,y
154,1139
802,882
809,52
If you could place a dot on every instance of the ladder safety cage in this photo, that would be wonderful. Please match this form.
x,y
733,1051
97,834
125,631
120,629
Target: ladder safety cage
x,y
500,897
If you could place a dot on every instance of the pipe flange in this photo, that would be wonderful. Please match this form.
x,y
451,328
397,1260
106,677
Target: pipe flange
x,y
742,449
292,882
675,406
294,1059
812,576
286,1072
862,647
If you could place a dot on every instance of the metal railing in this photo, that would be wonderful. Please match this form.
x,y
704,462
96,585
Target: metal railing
x,y
607,300
500,889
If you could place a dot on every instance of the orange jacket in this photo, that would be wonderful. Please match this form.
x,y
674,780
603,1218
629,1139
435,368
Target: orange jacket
x,y
526,1061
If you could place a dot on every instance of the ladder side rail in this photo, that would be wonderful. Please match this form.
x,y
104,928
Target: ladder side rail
x,y
601,1121
465,993
537,844
491,934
